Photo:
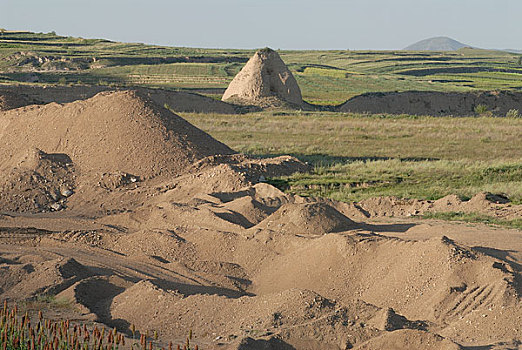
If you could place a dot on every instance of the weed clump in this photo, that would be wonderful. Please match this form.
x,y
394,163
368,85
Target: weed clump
x,y
17,332
513,113
481,109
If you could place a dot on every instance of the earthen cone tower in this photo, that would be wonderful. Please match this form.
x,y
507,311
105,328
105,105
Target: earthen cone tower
x,y
264,81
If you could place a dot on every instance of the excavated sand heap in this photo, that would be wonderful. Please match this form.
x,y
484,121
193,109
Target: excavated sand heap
x,y
111,132
36,181
206,246
307,218
264,81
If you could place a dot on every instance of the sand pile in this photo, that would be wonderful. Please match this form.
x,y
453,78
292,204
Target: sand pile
x,y
408,340
435,280
306,218
113,139
207,264
433,103
264,81
99,155
21,278
111,132
432,282
250,210
169,230
37,182
418,284
300,317
226,175
157,243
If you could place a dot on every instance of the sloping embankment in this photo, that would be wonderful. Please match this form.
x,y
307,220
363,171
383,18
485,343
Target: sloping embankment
x,y
433,103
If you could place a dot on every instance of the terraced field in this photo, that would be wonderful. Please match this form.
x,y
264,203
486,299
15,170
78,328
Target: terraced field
x,y
325,77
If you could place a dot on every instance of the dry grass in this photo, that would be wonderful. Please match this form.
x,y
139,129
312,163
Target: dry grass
x,y
334,137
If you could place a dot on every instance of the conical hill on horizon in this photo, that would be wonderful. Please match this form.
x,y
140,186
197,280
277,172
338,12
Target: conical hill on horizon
x,y
440,43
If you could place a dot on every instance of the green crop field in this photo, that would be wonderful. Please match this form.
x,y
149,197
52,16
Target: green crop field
x,y
325,77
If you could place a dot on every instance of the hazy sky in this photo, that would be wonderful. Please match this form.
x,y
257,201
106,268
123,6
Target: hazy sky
x,y
284,24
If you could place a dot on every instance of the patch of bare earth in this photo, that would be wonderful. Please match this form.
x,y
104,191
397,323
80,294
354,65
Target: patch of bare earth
x,y
162,227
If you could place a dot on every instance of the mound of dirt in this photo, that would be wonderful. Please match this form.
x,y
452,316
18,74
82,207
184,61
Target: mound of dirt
x,y
188,257
255,169
111,132
227,176
159,243
447,201
25,280
264,81
306,218
177,101
434,280
37,182
433,103
252,211
179,233
298,316
10,100
119,144
392,206
166,215
408,339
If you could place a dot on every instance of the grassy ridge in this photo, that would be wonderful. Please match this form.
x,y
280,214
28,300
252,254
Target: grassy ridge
x,y
325,77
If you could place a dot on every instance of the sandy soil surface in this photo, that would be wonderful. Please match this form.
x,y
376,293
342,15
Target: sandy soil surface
x,y
135,217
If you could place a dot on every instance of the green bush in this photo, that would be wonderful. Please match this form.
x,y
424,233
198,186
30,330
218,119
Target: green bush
x,y
481,109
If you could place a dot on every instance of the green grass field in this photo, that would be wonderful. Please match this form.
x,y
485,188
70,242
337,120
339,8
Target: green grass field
x,y
357,156
325,77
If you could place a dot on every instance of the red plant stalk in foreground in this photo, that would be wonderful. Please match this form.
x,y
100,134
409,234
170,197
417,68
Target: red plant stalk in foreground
x,y
17,333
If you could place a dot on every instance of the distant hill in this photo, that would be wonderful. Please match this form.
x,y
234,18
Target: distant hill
x,y
440,43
